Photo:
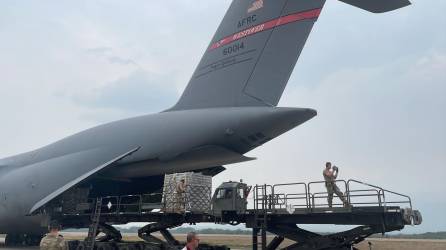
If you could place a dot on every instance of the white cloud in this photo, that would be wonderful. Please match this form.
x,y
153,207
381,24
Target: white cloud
x,y
140,92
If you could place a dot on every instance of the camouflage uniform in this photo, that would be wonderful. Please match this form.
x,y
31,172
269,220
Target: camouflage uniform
x,y
53,242
332,188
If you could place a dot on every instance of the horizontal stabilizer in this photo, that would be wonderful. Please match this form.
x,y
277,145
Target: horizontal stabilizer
x,y
195,159
213,152
378,6
211,171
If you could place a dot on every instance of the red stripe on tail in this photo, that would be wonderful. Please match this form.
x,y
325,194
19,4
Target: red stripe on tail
x,y
267,26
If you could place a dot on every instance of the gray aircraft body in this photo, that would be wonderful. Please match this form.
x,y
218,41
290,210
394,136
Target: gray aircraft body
x,y
227,109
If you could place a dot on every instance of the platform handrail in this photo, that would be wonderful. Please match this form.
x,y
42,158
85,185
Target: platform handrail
x,y
383,191
378,195
312,205
267,198
315,195
282,200
261,200
292,184
297,196
125,205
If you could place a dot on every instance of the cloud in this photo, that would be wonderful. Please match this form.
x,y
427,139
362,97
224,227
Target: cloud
x,y
119,60
137,93
108,54
99,51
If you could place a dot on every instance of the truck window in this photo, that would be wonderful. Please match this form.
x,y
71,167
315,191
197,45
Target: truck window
x,y
224,193
221,194
241,193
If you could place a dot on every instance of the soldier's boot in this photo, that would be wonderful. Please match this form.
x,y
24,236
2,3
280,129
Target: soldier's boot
x,y
345,202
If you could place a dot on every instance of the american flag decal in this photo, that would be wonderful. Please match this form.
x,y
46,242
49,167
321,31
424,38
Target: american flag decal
x,y
258,4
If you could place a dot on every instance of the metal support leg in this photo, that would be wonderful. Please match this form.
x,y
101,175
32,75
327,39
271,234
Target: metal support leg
x,y
169,237
255,243
308,240
145,233
274,244
111,233
263,239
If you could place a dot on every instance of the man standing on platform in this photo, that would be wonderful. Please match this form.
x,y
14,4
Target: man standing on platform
x,y
330,175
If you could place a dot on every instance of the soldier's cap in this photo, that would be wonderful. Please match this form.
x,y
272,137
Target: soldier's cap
x,y
54,224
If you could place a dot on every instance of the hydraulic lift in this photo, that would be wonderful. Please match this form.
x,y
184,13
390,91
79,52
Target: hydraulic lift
x,y
275,209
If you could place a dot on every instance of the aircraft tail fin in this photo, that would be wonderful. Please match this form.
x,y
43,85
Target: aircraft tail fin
x,y
252,55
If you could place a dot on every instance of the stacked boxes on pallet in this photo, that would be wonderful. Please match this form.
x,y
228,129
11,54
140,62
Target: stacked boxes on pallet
x,y
197,197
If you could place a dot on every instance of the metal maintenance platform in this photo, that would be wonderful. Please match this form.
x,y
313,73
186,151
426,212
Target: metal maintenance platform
x,y
277,209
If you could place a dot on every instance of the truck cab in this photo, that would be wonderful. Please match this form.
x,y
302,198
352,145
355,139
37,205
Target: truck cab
x,y
230,198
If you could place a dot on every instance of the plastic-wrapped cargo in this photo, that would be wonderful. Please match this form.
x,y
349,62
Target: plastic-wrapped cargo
x,y
196,197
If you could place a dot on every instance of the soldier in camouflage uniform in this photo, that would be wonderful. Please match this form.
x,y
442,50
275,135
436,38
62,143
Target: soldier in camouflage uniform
x,y
330,175
53,240
180,191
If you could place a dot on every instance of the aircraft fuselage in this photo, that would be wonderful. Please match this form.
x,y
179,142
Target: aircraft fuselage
x,y
162,138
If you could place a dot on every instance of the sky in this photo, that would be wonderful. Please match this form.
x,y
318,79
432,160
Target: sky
x,y
378,83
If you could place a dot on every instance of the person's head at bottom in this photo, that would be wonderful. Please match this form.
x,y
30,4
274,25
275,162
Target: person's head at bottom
x,y
54,227
192,241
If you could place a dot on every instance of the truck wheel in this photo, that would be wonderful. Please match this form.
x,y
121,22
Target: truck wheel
x,y
10,240
14,240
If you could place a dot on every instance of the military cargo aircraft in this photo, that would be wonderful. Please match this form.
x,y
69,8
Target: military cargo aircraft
x,y
228,108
